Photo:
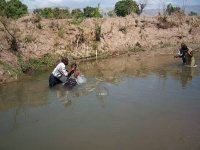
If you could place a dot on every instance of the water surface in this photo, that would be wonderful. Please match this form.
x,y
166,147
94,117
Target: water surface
x,y
127,103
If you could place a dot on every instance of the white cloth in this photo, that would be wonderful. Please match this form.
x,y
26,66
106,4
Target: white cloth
x,y
60,70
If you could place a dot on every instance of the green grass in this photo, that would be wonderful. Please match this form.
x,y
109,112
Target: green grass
x,y
45,61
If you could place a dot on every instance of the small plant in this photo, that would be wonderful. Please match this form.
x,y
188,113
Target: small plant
x,y
61,32
29,38
163,23
136,22
36,19
97,32
80,38
123,29
77,21
14,45
39,26
190,31
136,48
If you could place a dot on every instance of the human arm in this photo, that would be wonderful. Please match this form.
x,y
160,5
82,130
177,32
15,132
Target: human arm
x,y
189,52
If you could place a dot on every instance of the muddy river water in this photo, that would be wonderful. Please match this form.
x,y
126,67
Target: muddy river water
x,y
127,103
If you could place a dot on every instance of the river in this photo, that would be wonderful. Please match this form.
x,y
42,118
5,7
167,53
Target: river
x,y
127,103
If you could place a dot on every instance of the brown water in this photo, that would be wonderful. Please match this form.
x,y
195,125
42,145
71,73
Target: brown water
x,y
127,103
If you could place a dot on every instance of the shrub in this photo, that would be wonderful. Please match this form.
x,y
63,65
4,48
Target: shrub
x,y
126,7
192,13
46,60
12,9
97,32
61,32
92,12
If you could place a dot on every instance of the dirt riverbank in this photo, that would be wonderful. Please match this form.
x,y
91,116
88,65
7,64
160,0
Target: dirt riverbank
x,y
41,42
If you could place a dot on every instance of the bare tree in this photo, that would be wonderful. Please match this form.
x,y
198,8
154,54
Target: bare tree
x,y
141,5
10,33
163,4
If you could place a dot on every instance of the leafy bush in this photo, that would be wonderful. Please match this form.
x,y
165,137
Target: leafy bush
x,y
12,9
2,7
126,7
46,60
56,13
192,13
77,13
92,12
171,9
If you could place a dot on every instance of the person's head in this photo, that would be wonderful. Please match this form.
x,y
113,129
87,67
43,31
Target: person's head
x,y
183,46
74,65
64,60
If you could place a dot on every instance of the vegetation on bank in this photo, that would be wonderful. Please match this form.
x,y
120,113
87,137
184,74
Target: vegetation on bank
x,y
11,10
45,61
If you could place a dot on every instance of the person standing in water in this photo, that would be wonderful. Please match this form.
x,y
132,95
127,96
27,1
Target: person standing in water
x,y
181,53
186,54
58,72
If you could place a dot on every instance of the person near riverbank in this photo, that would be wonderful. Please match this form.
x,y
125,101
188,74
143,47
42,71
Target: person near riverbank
x,y
59,72
186,54
181,53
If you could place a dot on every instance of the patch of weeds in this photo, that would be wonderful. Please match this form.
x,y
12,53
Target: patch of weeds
x,y
80,38
39,26
10,70
164,45
77,21
136,48
163,23
95,45
61,32
45,61
36,19
97,32
123,29
29,38
190,31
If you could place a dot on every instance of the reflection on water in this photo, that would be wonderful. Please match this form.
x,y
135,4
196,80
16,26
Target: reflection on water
x,y
127,103
185,75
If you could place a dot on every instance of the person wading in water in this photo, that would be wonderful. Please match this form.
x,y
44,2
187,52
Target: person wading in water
x,y
186,54
60,71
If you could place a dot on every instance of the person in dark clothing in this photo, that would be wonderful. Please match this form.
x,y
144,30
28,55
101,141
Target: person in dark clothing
x,y
181,53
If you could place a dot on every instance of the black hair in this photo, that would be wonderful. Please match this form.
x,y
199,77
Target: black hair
x,y
183,46
64,59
